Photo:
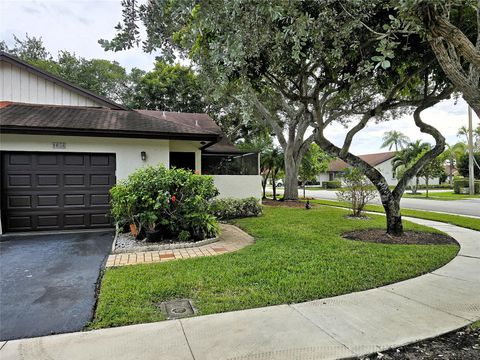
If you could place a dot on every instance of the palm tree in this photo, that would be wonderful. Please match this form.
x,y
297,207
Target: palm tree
x,y
271,161
404,158
452,153
463,131
394,138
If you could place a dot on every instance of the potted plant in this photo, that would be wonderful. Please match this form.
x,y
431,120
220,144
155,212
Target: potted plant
x,y
149,222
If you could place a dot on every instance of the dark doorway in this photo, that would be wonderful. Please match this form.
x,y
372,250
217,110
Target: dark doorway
x,y
182,160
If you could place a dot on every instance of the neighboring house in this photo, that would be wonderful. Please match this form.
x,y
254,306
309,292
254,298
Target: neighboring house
x,y
63,148
381,161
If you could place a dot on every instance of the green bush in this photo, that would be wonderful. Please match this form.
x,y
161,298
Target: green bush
x,y
463,165
434,186
334,184
169,202
229,208
463,183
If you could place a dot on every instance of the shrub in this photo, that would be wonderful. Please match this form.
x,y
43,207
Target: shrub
x,y
463,183
229,208
358,190
435,186
463,165
166,201
334,184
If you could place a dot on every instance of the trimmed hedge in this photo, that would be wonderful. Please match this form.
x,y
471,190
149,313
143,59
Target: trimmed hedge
x,y
334,184
430,186
463,183
230,208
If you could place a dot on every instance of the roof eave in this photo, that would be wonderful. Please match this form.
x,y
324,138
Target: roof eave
x,y
106,133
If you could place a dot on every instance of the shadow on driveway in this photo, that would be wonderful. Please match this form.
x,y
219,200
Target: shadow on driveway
x,y
47,282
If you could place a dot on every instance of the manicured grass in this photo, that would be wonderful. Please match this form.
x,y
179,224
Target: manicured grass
x,y
463,221
440,196
299,255
475,325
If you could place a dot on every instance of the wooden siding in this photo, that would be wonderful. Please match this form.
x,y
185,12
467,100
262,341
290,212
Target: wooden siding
x,y
19,85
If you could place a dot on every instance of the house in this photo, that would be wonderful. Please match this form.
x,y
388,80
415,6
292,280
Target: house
x,y
381,161
63,147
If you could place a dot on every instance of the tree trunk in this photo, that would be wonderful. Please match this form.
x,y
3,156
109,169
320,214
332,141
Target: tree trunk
x,y
291,178
394,219
291,182
451,170
264,184
426,185
274,185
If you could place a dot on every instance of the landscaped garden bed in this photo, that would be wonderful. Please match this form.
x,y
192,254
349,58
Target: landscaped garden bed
x,y
408,237
463,344
299,255
126,242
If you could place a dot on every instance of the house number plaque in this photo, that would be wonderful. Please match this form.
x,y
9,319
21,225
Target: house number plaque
x,y
59,145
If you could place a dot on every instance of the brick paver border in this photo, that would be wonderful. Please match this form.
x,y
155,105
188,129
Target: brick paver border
x,y
231,239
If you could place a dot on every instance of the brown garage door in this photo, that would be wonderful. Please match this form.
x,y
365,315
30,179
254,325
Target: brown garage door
x,y
49,191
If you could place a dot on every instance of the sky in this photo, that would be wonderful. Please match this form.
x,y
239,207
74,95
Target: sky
x,y
77,26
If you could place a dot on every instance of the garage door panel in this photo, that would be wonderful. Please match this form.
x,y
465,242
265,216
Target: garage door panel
x,y
47,159
50,201
75,160
100,180
99,200
74,200
100,220
50,180
101,160
48,221
74,180
19,223
19,201
19,180
47,191
74,220
20,159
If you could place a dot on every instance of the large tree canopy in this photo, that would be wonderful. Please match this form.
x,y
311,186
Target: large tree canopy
x,y
452,29
316,56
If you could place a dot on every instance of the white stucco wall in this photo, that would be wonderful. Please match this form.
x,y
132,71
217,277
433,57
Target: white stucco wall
x,y
385,169
127,150
19,85
238,186
322,177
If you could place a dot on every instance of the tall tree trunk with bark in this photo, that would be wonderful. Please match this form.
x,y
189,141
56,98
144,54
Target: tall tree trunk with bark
x,y
290,133
453,49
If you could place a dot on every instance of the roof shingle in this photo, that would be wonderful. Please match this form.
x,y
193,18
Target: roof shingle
x,y
372,159
96,121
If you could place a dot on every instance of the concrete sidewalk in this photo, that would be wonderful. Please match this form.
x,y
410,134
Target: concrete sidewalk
x,y
343,326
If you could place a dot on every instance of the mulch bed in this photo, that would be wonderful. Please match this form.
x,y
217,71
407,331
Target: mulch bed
x,y
462,345
289,203
408,237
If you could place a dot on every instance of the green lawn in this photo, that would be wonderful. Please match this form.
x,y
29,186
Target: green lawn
x,y
440,196
463,221
299,255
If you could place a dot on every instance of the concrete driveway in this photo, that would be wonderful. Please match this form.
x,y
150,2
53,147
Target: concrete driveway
x,y
47,282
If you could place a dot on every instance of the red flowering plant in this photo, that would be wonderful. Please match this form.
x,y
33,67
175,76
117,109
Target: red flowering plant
x,y
166,202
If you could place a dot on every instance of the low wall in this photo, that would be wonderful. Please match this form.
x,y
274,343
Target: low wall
x,y
238,186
